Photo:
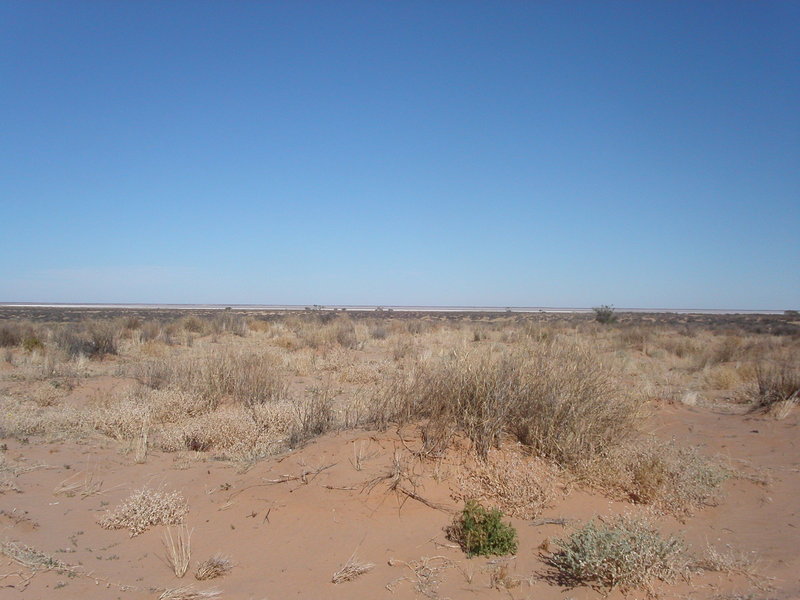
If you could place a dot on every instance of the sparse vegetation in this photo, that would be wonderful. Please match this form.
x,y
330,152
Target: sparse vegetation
x,y
505,413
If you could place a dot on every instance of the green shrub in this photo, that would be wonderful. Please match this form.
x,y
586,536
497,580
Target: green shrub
x,y
481,532
627,553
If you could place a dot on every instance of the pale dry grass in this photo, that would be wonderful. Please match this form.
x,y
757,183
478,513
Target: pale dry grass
x,y
241,376
351,569
146,508
671,478
425,574
571,392
776,386
79,484
178,549
22,419
235,432
728,560
188,593
574,407
519,486
501,578
560,399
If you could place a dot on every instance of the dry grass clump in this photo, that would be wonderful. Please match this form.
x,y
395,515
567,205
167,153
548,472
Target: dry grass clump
x,y
425,574
635,337
320,331
211,568
229,322
80,484
169,405
559,399
672,479
314,415
776,387
237,432
679,345
625,552
351,569
470,393
22,419
146,508
729,560
16,333
573,408
720,350
178,549
93,339
188,593
245,378
122,420
676,477
520,487
722,377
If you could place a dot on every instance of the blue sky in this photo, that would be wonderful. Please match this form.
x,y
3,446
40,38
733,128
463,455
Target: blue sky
x,y
641,154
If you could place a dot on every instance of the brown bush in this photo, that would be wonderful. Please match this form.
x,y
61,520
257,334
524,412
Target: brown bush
x,y
775,384
235,375
558,399
573,408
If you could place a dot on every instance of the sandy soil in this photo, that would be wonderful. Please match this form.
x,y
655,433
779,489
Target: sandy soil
x,y
288,538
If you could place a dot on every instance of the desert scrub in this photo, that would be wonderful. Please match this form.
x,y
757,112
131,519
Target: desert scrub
x,y
520,486
234,432
572,407
481,531
775,385
604,314
471,393
674,479
627,553
146,508
245,378
558,398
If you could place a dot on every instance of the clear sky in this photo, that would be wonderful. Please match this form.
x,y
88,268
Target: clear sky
x,y
641,154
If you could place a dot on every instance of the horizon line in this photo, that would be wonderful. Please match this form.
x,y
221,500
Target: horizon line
x,y
380,307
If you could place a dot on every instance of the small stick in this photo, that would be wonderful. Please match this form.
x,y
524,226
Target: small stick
x,y
551,521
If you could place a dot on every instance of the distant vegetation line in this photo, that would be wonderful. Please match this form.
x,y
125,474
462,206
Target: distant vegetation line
x,y
380,308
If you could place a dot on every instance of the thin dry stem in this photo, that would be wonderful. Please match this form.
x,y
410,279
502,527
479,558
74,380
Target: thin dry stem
x,y
178,549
